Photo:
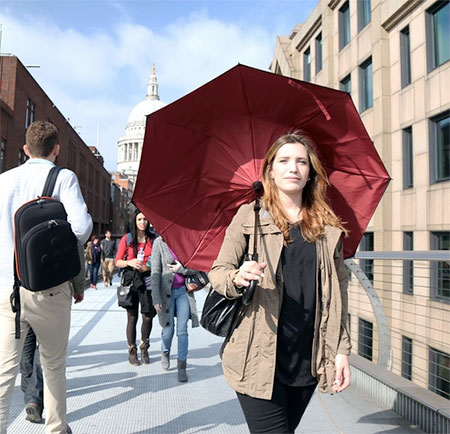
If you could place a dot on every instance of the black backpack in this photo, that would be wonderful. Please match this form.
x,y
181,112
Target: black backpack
x,y
46,252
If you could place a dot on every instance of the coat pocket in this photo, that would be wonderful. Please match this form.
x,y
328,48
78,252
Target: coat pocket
x,y
234,356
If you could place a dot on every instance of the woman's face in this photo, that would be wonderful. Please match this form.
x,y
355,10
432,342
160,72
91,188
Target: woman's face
x,y
141,222
95,240
290,168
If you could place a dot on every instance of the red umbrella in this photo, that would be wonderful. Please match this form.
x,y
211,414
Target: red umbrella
x,y
203,152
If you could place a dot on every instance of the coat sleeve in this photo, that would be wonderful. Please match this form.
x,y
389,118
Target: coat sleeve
x,y
156,270
233,249
344,345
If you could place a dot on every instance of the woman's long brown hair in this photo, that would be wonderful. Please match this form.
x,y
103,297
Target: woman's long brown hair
x,y
316,213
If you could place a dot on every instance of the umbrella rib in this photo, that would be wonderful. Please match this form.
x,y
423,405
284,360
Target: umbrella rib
x,y
219,140
249,116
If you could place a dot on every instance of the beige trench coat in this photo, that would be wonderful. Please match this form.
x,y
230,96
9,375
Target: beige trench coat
x,y
249,357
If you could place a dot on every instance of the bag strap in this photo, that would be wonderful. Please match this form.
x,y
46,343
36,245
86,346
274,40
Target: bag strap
x,y
50,181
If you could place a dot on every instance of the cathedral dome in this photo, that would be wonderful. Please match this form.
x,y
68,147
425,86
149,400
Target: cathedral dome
x,y
150,104
144,108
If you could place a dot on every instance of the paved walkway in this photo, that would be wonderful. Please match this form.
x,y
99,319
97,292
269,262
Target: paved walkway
x,y
106,395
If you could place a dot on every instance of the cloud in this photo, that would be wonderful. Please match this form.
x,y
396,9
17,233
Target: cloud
x,y
100,76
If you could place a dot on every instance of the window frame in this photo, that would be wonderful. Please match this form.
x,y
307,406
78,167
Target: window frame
x,y
365,85
408,266
405,57
432,62
344,25
434,377
2,155
365,340
307,65
319,52
435,148
343,83
363,12
407,158
439,268
367,245
407,352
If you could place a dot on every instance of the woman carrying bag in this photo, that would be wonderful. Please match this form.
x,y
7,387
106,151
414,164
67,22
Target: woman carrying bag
x,y
171,300
294,333
132,255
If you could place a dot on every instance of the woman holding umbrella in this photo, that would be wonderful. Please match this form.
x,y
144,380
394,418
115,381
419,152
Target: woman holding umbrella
x,y
132,255
294,333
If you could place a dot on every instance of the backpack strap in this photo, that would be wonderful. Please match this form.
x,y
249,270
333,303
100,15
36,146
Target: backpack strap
x,y
50,181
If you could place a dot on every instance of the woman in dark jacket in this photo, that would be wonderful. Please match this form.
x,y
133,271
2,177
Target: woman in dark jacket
x,y
93,258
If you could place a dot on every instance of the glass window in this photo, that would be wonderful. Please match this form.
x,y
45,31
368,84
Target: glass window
x,y
439,374
365,339
440,271
407,159
440,147
319,53
406,358
2,155
408,267
344,25
346,84
438,34
307,65
405,56
29,113
21,157
366,245
366,85
364,13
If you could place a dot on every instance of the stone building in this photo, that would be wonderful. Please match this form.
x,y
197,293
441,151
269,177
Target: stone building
x,y
393,57
130,145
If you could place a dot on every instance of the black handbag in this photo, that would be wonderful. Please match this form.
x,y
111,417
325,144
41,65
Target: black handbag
x,y
220,315
124,296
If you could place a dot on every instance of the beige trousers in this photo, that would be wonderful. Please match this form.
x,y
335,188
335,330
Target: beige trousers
x,y
48,313
108,270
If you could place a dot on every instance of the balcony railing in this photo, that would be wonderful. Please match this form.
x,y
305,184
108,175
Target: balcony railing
x,y
399,305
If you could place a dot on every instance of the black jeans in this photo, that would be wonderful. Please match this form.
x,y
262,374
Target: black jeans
x,y
32,383
281,414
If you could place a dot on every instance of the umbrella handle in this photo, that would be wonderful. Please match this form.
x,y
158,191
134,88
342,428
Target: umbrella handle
x,y
248,293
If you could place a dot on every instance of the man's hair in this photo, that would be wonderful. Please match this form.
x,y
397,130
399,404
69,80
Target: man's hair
x,y
41,137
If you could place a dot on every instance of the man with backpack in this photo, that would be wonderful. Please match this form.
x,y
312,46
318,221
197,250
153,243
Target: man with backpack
x,y
47,311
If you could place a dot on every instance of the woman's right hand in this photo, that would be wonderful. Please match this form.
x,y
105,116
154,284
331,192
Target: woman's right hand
x,y
135,263
248,271
158,307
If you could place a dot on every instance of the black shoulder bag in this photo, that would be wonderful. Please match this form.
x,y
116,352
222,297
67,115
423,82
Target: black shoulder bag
x,y
221,315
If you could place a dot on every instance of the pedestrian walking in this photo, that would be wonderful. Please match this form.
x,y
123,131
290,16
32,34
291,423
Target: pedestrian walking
x,y
108,246
132,256
294,333
47,312
32,381
93,258
171,300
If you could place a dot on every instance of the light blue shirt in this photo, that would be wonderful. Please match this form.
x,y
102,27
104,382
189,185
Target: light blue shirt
x,y
25,183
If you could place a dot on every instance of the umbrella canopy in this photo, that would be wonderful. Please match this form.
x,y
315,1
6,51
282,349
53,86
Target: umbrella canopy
x,y
202,153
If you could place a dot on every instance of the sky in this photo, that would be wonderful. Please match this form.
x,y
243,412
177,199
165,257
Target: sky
x,y
95,56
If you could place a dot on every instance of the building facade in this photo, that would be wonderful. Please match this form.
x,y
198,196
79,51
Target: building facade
x,y
393,57
130,145
24,101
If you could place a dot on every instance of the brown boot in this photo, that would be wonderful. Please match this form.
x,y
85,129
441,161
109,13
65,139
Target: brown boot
x,y
132,355
144,351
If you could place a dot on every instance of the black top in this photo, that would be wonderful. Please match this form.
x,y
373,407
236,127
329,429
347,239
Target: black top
x,y
296,322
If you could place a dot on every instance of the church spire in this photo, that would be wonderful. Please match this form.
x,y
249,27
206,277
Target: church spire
x,y
152,88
